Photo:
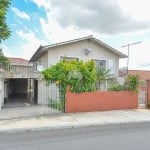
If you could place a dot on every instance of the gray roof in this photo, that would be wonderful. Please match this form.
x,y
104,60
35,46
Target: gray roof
x,y
43,49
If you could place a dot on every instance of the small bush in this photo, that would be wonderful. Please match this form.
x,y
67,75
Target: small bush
x,y
132,83
59,105
116,87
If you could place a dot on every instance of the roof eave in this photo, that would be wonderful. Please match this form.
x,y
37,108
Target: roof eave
x,y
35,56
43,49
68,42
115,51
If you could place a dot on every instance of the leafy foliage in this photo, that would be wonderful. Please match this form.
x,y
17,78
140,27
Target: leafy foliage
x,y
102,73
4,30
4,62
132,83
116,87
57,105
81,76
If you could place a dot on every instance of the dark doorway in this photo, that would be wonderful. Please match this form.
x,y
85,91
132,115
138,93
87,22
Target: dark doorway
x,y
35,91
17,93
17,88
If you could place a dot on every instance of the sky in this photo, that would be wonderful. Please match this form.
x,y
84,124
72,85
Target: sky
x,y
115,22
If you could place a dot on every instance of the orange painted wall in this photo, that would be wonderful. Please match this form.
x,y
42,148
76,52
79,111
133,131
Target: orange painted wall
x,y
100,100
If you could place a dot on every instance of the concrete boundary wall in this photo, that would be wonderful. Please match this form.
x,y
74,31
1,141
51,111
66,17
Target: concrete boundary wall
x,y
101,100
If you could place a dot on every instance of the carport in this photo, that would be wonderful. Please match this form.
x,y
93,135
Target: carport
x,y
18,92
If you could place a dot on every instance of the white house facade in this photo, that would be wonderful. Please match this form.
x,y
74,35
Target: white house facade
x,y
23,78
85,49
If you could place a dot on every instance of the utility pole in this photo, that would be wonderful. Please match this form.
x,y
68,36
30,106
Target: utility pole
x,y
128,46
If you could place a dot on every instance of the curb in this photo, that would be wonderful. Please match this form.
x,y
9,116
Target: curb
x,y
46,128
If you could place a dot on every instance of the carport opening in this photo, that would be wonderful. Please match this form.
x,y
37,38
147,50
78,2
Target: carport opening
x,y
18,92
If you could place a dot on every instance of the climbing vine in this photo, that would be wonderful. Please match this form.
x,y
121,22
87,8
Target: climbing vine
x,y
81,76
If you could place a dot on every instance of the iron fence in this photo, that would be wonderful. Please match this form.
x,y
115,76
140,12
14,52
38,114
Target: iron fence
x,y
26,70
104,85
52,95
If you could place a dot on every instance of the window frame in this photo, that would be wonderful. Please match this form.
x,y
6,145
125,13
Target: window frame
x,y
98,61
69,58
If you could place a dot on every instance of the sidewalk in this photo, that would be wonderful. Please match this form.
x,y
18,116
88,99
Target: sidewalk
x,y
72,120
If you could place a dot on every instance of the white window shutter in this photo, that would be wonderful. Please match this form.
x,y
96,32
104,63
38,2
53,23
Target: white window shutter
x,y
111,66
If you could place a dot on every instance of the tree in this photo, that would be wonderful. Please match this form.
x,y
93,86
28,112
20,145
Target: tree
x,y
4,62
102,74
4,30
2,57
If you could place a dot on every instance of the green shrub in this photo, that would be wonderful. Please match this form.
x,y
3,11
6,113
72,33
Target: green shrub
x,y
132,83
60,105
81,76
116,87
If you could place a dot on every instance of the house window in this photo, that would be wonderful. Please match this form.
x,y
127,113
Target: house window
x,y
69,58
100,63
35,65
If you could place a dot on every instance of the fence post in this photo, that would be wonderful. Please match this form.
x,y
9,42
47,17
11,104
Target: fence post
x,y
1,93
148,94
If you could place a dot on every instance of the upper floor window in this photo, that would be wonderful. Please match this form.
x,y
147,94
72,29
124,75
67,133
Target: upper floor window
x,y
106,64
100,63
69,58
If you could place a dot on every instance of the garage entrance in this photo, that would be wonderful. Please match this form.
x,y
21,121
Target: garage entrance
x,y
18,92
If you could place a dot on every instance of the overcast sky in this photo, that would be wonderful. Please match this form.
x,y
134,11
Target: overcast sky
x,y
115,22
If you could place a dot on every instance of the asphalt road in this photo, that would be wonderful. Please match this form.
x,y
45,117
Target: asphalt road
x,y
110,137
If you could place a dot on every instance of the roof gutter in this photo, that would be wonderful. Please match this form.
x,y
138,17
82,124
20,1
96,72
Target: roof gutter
x,y
39,51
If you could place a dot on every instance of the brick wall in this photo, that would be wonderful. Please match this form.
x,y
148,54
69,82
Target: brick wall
x,y
100,100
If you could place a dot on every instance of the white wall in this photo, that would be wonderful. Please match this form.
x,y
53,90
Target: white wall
x,y
1,92
78,50
43,60
72,50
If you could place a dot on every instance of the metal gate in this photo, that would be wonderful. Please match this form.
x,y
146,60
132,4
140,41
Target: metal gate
x,y
142,95
51,95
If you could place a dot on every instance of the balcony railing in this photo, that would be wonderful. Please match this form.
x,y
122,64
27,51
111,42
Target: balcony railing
x,y
28,70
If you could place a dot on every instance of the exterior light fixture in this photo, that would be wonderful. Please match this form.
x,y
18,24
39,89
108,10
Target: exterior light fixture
x,y
88,50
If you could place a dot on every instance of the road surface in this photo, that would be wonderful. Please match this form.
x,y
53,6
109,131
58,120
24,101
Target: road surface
x,y
109,137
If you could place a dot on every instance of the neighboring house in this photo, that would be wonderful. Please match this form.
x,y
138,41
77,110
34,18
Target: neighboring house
x,y
123,72
19,67
85,48
143,74
144,77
